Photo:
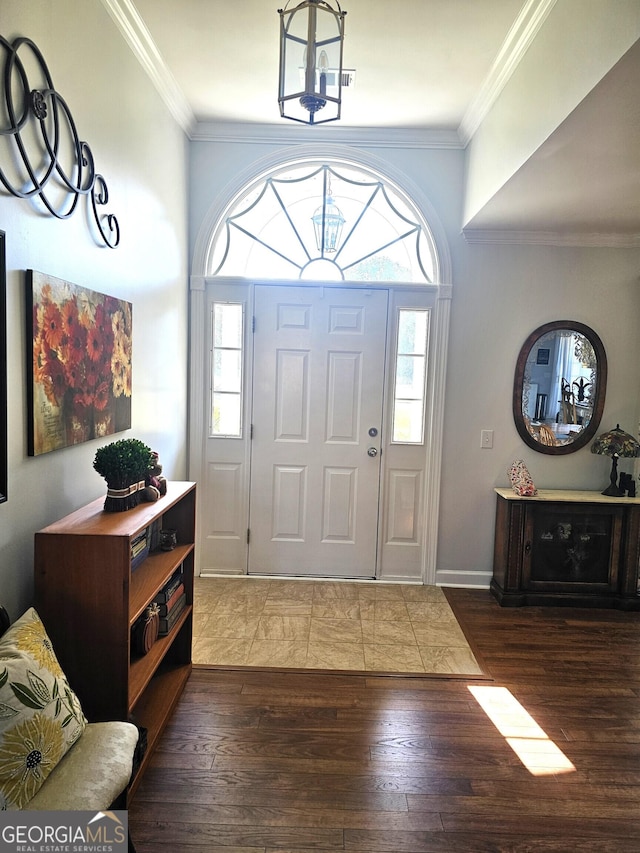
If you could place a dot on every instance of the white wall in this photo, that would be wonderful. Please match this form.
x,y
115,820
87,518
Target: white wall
x,y
143,156
501,293
579,42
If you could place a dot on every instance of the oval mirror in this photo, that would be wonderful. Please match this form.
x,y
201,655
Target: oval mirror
x,y
560,386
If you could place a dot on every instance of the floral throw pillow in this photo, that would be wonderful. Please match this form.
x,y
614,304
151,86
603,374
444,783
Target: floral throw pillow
x,y
40,716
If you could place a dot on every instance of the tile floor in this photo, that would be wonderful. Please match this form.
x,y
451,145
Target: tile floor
x,y
337,625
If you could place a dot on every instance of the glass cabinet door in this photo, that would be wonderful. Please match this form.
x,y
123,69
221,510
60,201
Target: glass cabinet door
x,y
570,547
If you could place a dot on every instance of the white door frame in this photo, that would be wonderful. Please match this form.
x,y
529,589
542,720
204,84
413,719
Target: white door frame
x,y
439,337
198,417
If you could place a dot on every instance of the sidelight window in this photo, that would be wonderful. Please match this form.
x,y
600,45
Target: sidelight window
x,y
410,376
227,355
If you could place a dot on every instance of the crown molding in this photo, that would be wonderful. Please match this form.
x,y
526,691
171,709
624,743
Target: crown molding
x,y
525,28
574,239
139,39
367,137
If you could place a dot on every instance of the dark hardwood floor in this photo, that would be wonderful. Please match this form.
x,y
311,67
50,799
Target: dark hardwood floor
x,y
259,762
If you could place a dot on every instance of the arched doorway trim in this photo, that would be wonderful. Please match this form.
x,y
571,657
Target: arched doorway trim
x,y
333,154
201,270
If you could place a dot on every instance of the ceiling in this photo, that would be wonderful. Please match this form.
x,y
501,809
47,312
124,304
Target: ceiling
x,y
421,66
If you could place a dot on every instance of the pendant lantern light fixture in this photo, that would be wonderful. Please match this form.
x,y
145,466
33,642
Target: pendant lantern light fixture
x,y
311,42
328,222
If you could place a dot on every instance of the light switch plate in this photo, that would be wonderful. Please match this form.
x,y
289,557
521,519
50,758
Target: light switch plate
x,y
486,439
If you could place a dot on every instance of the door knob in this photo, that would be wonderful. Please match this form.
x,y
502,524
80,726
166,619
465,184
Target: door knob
x,y
372,451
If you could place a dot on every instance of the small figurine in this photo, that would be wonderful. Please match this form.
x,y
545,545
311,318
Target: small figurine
x,y
156,484
626,485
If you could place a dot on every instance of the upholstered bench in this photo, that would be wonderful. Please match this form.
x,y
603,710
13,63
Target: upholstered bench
x,y
93,774
51,758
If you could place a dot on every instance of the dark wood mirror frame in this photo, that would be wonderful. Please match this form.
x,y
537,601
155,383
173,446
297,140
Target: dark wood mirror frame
x,y
3,371
586,434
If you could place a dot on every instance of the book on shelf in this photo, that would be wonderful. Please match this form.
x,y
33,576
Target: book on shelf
x,y
139,540
167,622
165,609
139,548
170,587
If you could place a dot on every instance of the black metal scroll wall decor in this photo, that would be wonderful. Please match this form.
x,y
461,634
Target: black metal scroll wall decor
x,y
48,161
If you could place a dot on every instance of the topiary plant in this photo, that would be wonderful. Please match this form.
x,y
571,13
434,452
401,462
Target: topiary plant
x,y
124,464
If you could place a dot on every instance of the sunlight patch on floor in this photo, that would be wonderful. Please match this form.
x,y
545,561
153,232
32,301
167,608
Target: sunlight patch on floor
x,y
539,754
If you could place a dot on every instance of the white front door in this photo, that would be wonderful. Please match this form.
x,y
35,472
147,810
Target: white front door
x,y
305,492
318,380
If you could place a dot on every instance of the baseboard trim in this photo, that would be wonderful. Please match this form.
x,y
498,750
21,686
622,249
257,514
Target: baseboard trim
x,y
466,580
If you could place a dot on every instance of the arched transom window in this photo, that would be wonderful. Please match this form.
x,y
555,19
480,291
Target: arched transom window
x,y
321,221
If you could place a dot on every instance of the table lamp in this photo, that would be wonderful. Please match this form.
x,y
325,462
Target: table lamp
x,y
614,443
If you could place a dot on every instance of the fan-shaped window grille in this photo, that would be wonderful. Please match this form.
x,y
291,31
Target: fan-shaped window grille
x,y
317,221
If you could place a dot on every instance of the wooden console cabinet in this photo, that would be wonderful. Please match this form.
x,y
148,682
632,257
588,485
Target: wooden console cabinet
x,y
89,597
566,547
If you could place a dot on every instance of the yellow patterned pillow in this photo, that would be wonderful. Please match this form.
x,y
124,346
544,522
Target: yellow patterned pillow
x,y
40,716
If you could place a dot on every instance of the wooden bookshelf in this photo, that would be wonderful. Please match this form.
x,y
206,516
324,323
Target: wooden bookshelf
x,y
89,598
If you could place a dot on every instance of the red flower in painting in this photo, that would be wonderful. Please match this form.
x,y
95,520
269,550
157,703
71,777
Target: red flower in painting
x,y
75,351
95,343
74,371
101,397
92,375
104,325
82,404
53,326
69,314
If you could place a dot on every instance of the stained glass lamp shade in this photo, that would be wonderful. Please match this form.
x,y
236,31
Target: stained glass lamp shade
x,y
615,443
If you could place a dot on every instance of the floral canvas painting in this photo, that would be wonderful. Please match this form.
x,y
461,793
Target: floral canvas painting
x,y
80,374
